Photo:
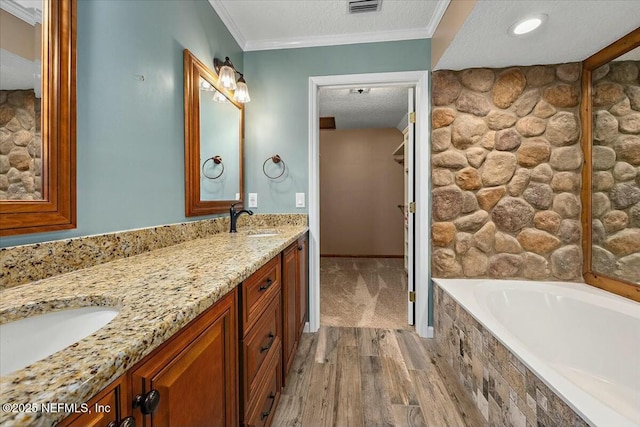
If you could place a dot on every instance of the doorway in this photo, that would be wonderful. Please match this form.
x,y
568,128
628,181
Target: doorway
x,y
419,80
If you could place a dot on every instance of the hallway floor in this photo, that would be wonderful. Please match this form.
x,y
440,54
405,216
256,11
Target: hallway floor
x,y
372,377
363,292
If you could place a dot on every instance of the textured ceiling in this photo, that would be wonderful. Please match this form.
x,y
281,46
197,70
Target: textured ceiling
x,y
382,107
573,31
275,24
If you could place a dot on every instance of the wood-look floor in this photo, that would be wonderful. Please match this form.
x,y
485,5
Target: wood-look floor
x,y
372,377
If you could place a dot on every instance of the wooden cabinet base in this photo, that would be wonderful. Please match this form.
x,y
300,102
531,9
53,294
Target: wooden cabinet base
x,y
195,374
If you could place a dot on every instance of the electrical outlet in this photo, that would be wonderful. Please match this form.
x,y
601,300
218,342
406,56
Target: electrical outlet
x,y
253,200
299,200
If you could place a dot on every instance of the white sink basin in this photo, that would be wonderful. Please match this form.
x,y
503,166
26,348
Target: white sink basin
x,y
262,233
25,341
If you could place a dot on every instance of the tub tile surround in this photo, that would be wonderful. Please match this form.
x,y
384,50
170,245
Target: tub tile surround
x,y
28,263
506,173
158,292
505,391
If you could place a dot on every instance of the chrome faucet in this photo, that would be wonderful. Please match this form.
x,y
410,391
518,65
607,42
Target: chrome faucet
x,y
233,215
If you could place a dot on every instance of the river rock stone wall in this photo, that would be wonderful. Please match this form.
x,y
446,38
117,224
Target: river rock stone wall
x,y
506,164
616,170
20,146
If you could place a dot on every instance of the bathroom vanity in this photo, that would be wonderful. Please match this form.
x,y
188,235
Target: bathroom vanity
x,y
205,334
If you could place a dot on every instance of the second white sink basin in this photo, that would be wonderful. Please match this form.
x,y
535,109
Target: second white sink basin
x,y
25,341
264,232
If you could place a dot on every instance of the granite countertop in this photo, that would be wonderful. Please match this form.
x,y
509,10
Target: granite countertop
x,y
157,292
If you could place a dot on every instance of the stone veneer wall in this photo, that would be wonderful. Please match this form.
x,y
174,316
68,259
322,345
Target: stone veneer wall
x,y
616,170
506,392
506,179
20,146
27,263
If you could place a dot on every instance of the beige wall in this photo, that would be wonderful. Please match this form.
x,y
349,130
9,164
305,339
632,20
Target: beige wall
x,y
360,188
18,37
452,20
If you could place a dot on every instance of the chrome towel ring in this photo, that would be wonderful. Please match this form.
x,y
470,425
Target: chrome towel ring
x,y
217,160
275,159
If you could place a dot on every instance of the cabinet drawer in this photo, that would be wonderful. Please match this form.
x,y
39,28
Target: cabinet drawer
x,y
263,407
263,339
257,290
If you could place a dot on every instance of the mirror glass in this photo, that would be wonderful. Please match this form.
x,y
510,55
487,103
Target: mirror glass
x,y
610,116
214,133
37,116
615,172
219,149
20,100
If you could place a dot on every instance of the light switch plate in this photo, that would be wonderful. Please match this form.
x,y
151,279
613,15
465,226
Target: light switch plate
x,y
299,200
253,200
237,196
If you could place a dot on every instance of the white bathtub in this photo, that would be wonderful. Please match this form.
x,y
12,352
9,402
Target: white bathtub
x,y
584,343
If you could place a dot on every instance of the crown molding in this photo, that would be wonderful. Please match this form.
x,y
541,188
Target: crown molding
x,y
224,15
441,8
29,15
328,40
337,39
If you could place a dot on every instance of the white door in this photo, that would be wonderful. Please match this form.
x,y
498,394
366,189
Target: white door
x,y
409,165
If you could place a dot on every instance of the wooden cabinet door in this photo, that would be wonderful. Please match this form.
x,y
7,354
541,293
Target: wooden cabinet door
x,y
289,303
104,410
302,288
195,374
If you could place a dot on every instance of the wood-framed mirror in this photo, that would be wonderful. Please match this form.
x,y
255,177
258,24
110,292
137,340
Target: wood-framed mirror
x,y
38,117
213,142
610,114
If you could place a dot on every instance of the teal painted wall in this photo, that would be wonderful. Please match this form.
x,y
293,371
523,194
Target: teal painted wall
x,y
130,133
277,117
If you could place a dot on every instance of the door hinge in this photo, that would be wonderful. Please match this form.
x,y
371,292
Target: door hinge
x,y
412,207
412,296
412,117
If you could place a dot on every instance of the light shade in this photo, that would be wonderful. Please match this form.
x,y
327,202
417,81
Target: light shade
x,y
227,77
242,92
218,97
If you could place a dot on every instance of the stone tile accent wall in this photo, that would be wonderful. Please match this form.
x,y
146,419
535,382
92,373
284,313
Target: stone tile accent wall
x,y
616,170
20,146
27,263
505,391
506,164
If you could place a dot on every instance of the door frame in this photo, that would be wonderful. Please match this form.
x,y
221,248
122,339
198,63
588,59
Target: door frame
x,y
422,174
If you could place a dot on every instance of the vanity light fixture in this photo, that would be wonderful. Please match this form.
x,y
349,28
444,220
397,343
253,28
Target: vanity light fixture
x,y
527,25
227,79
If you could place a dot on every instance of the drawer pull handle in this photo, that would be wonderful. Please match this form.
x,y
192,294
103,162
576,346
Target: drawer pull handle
x,y
128,422
264,415
272,338
147,403
266,286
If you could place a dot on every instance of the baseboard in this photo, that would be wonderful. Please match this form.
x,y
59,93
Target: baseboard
x,y
359,256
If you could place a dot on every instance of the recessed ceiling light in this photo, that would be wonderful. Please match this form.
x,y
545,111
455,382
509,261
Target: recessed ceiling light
x,y
527,25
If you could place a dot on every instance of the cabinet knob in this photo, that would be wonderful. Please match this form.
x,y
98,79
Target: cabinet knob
x,y
128,422
147,403
300,248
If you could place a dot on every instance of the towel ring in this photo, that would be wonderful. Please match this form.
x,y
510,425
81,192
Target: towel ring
x,y
216,160
275,159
